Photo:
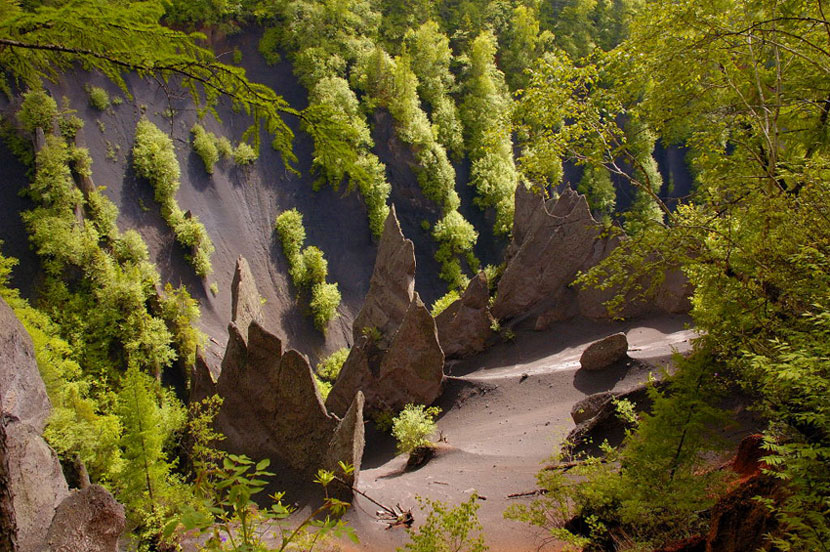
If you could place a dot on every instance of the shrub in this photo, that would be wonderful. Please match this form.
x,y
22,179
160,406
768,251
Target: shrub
x,y
204,145
290,229
244,154
315,266
329,368
455,236
413,426
325,298
442,303
224,147
38,110
447,529
69,125
98,98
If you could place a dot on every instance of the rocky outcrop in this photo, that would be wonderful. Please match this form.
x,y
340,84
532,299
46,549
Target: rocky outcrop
x,y
346,445
552,242
464,328
392,287
411,370
89,519
604,352
246,305
396,358
35,482
271,405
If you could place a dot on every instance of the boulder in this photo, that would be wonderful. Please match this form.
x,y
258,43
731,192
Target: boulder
x,y
590,406
89,519
465,327
246,305
392,287
605,352
411,370
35,478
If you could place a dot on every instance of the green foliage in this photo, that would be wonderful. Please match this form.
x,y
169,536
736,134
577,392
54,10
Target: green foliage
x,y
455,236
146,485
98,97
181,313
244,154
325,298
447,529
38,110
154,158
441,304
204,144
486,112
413,426
329,368
235,523
118,38
308,268
69,125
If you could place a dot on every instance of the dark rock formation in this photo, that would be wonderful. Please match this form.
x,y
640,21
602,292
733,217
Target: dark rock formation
x,y
89,519
411,370
246,305
464,327
553,241
590,406
604,424
396,358
392,287
605,352
272,407
33,477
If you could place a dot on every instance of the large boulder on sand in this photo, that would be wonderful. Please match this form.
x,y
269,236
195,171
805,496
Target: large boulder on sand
x,y
36,481
605,352
465,327
392,287
411,370
590,406
89,519
396,358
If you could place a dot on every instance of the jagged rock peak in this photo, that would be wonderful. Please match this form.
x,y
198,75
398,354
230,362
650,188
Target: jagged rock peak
x,y
411,370
245,301
392,287
272,407
464,327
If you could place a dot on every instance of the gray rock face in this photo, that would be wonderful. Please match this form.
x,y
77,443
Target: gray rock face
x,y
552,242
22,393
605,352
89,519
35,478
245,302
272,407
410,371
392,287
464,327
